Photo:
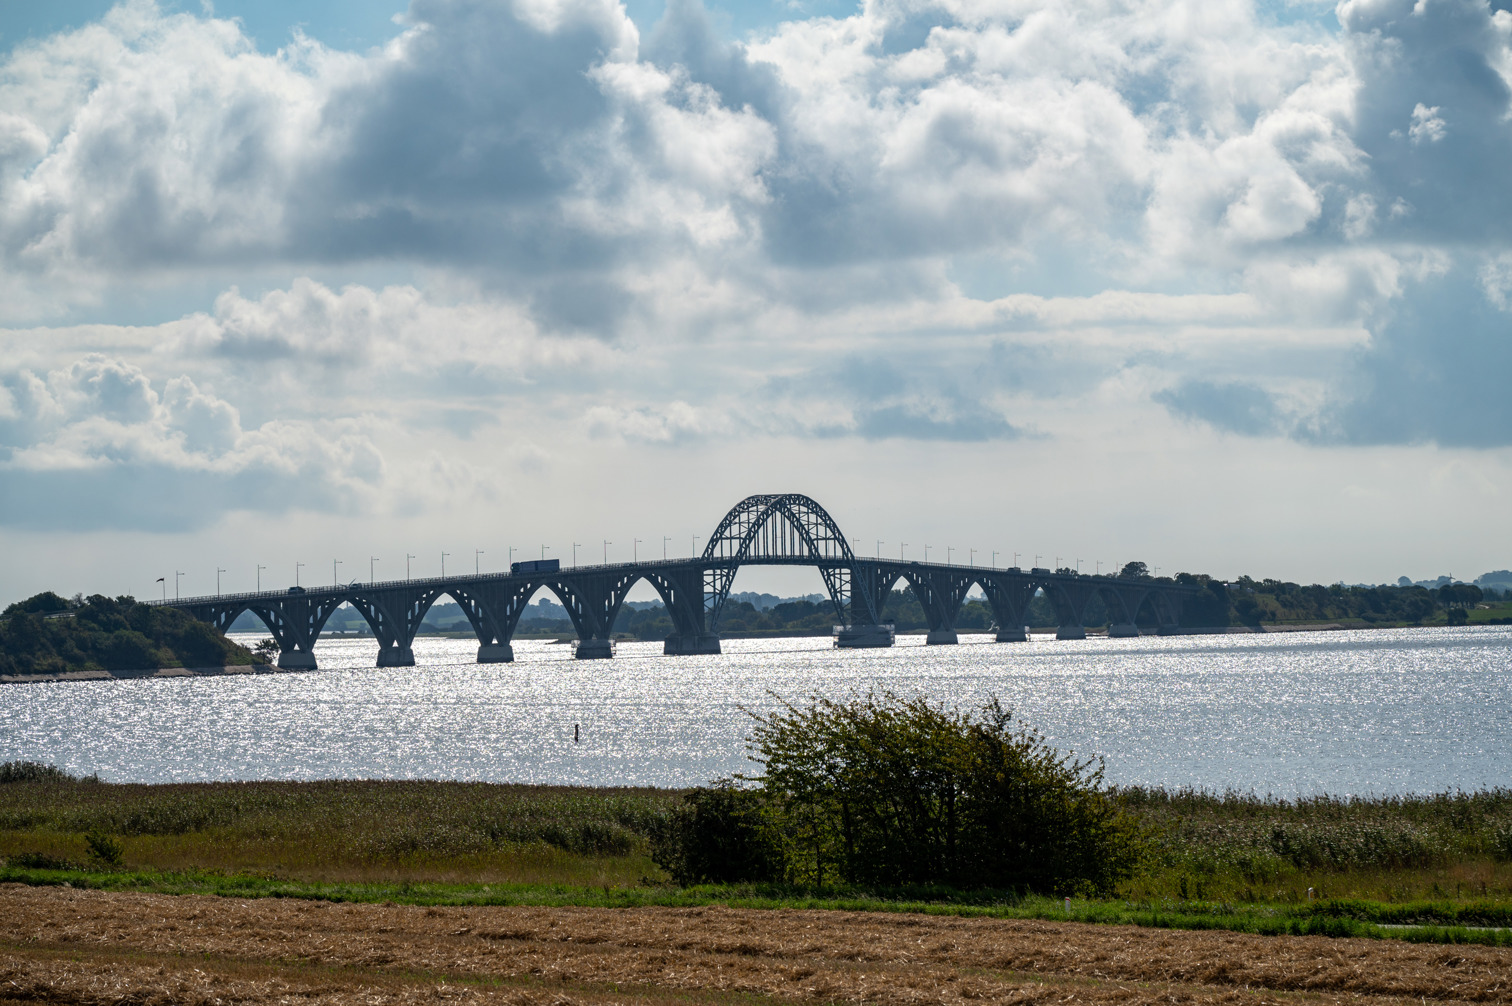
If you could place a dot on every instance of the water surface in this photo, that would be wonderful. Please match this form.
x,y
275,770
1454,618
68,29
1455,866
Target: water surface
x,y
1371,712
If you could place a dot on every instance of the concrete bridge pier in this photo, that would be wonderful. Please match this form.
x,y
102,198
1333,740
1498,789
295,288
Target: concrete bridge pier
x,y
1013,634
396,656
863,637
593,649
691,644
1122,630
296,660
941,637
495,653
1071,632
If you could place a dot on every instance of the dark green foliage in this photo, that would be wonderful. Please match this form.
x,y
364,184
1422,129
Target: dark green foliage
x,y
31,771
39,861
721,834
891,792
104,849
111,634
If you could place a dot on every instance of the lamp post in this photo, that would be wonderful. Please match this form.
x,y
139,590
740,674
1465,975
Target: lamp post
x,y
665,538
901,546
297,567
164,581
407,558
335,580
971,558
259,578
1015,558
176,575
575,547
1037,558
948,550
926,553
695,546
443,563
511,558
879,548
372,561
218,572
635,550
543,552
476,553
994,558
607,543
1078,567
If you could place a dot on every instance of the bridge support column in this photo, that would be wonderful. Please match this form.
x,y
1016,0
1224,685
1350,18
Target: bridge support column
x,y
593,649
495,653
396,656
1071,632
296,660
691,644
1013,634
1122,630
941,637
860,637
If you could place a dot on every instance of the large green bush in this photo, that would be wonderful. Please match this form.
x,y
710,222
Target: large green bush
x,y
886,792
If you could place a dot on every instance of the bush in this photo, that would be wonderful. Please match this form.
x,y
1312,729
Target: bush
x,y
104,849
38,861
887,792
31,771
720,834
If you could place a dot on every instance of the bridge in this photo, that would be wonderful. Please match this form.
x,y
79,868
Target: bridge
x,y
769,530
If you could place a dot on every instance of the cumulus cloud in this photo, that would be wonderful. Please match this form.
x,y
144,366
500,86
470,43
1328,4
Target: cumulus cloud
x,y
94,444
683,237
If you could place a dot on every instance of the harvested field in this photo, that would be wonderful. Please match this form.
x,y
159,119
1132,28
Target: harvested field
x,y
62,945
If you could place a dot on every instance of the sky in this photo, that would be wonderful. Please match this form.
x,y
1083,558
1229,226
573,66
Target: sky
x,y
1219,286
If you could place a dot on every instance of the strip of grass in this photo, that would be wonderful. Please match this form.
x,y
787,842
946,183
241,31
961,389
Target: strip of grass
x,y
1423,923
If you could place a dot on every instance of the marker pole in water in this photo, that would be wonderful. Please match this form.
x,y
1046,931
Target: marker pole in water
x,y
574,733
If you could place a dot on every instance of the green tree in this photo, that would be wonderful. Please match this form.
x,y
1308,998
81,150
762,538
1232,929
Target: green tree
x,y
881,790
1135,571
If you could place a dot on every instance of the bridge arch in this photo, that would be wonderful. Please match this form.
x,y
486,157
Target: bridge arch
x,y
776,529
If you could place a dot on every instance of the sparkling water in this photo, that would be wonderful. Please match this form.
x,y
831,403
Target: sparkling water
x,y
1369,712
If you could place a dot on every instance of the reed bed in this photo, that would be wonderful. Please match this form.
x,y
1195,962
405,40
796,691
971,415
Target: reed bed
x,y
1217,848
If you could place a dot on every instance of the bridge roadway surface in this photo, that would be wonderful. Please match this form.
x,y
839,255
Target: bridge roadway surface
x,y
768,530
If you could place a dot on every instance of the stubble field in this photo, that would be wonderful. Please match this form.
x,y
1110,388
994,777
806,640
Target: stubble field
x,y
64,945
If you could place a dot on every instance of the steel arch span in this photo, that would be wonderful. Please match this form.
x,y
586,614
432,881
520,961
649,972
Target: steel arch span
x,y
776,529
770,529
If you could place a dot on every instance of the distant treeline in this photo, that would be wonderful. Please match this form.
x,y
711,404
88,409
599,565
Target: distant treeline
x,y
49,634
1240,602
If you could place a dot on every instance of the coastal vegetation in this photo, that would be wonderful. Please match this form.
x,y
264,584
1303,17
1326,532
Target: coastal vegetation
x,y
48,634
877,803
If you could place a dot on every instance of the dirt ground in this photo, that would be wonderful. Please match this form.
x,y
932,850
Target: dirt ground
x,y
70,946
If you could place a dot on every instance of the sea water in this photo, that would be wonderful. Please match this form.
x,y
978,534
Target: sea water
x,y
1356,712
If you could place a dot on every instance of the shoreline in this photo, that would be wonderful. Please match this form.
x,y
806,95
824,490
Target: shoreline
x,y
157,672
1039,631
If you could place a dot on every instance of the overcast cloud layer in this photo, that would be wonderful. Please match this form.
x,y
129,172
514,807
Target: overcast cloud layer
x,y
523,246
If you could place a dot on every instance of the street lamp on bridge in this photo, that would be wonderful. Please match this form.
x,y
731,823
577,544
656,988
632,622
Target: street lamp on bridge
x,y
476,570
259,578
372,561
665,538
607,543
926,552
901,546
635,550
879,548
297,567
443,563
218,572
176,575
335,580
575,547
407,558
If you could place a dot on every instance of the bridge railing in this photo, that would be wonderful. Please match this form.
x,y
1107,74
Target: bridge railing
x,y
459,580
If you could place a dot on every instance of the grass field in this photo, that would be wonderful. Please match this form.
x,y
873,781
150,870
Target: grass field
x,y
1230,861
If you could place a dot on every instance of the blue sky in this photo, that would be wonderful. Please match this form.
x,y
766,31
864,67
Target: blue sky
x,y
1221,286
